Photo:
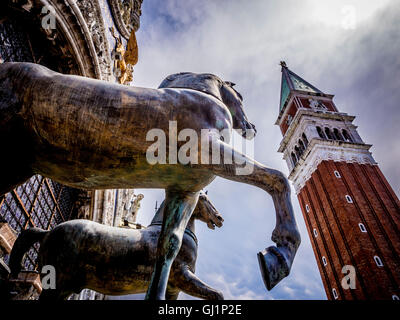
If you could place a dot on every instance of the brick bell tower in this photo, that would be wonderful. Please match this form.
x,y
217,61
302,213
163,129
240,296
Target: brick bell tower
x,y
350,210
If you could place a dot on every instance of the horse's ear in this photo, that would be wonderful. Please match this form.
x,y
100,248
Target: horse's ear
x,y
206,192
230,83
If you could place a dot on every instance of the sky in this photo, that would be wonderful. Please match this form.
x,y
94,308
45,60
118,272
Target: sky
x,y
346,48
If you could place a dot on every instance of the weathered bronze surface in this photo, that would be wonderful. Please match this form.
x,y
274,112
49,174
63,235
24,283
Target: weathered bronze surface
x,y
115,261
91,134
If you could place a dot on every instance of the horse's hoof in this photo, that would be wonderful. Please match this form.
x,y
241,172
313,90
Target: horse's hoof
x,y
273,265
217,296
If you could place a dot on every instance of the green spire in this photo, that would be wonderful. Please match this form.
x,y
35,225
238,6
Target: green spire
x,y
291,81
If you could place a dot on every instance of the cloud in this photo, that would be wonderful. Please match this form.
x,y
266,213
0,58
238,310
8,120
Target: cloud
x,y
231,290
243,41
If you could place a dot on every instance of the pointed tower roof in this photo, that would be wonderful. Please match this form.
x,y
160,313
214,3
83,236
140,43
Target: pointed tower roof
x,y
291,81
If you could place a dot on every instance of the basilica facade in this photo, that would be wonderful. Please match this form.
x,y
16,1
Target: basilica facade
x,y
90,38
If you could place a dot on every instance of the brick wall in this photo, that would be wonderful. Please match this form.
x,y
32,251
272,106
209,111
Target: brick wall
x,y
339,238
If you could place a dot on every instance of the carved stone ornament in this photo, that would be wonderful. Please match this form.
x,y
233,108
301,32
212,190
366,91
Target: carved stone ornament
x,y
316,104
83,204
91,12
126,15
131,208
77,28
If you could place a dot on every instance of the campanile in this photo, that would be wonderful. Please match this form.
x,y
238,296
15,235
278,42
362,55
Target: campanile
x,y
351,212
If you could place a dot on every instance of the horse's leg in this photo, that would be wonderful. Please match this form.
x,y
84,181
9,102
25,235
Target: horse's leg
x,y
178,208
193,286
277,261
172,293
15,164
17,147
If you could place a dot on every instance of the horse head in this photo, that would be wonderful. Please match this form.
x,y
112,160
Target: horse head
x,y
206,212
222,90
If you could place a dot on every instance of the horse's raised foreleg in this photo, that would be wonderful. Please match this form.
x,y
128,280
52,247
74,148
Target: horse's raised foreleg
x,y
178,208
275,262
193,286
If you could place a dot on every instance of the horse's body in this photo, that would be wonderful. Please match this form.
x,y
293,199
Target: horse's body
x,y
115,261
91,134
88,133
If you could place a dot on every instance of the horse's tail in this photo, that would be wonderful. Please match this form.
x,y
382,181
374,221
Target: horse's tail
x,y
24,241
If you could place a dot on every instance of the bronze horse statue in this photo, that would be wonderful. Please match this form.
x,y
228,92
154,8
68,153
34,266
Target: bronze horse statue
x,y
92,134
115,260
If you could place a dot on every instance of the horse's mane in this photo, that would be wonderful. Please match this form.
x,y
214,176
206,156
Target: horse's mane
x,y
195,81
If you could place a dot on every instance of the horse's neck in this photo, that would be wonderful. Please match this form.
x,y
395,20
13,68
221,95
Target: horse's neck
x,y
211,87
158,218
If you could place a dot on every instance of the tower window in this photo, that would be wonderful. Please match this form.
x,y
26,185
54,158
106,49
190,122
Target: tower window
x,y
378,261
297,151
337,135
324,261
302,146
335,295
307,208
346,136
305,140
337,174
315,232
395,297
321,133
349,199
362,227
294,158
328,133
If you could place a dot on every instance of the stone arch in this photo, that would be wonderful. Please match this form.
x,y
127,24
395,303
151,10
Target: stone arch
x,y
294,158
297,152
337,135
321,133
78,38
328,133
346,136
305,140
302,147
127,18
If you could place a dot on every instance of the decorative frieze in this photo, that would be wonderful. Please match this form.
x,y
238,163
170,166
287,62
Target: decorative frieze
x,y
320,150
306,117
93,17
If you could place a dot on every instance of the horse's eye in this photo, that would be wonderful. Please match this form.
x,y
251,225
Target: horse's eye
x,y
231,84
